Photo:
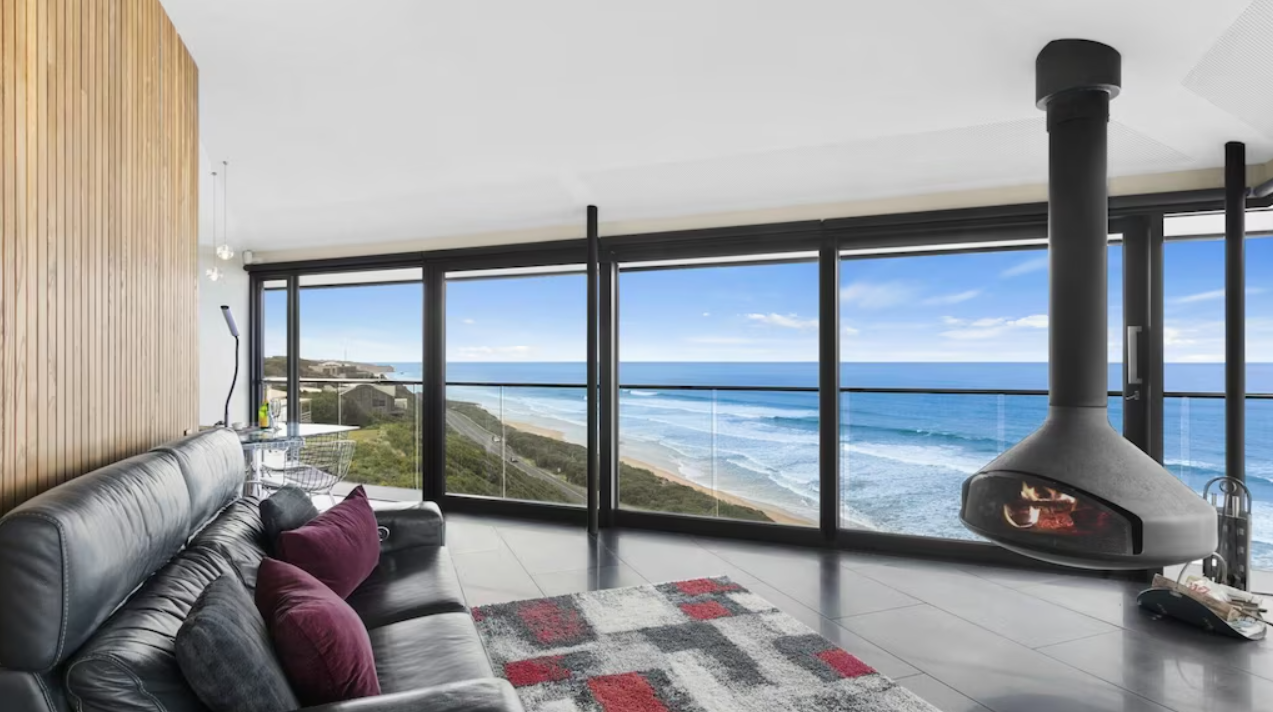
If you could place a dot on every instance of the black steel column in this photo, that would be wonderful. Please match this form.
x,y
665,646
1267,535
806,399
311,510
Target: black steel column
x,y
594,462
1154,405
433,428
609,357
293,349
1138,331
256,346
829,387
1235,310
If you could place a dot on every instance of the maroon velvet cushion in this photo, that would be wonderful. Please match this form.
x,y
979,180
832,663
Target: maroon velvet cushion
x,y
339,547
321,643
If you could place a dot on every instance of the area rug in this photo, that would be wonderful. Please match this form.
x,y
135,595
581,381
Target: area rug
x,y
706,645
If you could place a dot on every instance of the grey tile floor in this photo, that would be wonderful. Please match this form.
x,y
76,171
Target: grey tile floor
x,y
963,637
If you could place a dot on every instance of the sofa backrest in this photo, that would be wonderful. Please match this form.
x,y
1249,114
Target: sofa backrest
x,y
70,556
212,464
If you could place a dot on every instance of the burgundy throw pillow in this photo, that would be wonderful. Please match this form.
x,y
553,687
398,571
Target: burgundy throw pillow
x,y
320,642
340,547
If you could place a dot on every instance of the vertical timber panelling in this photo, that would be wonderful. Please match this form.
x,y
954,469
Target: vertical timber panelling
x,y
98,220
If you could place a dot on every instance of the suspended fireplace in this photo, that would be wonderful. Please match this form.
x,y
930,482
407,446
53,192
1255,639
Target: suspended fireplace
x,y
1075,492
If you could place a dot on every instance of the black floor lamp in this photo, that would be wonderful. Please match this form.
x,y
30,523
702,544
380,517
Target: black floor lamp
x,y
234,331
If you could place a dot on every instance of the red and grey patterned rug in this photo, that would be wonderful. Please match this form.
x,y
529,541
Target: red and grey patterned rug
x,y
706,645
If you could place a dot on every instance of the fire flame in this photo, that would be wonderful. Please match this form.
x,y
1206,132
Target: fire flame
x,y
1045,505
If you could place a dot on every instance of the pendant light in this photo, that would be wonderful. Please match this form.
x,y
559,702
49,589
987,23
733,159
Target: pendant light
x,y
224,251
214,272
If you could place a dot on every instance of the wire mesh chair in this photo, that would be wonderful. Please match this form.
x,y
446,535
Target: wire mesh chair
x,y
317,465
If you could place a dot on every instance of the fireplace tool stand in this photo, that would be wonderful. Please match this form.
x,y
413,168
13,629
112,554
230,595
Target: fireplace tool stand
x,y
1229,613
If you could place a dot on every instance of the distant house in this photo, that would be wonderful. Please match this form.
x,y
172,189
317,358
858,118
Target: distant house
x,y
385,399
331,369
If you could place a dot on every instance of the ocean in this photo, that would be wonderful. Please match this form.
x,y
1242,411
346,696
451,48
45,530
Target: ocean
x,y
904,455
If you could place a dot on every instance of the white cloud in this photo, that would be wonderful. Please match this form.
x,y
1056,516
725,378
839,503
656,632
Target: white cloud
x,y
990,327
787,321
720,340
1199,358
869,295
1175,337
955,298
850,331
1200,297
483,353
469,321
707,313
1034,264
1211,296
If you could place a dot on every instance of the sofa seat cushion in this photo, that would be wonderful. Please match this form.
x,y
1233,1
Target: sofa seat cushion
x,y
410,583
433,650
130,663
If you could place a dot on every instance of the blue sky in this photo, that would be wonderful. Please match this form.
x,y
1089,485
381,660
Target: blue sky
x,y
960,307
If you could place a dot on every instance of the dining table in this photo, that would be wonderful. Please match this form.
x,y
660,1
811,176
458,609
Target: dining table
x,y
258,442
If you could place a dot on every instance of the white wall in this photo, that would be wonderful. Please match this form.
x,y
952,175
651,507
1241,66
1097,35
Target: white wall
x,y
216,347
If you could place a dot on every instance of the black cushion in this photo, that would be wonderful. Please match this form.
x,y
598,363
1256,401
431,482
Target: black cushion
x,y
428,651
224,651
408,584
288,508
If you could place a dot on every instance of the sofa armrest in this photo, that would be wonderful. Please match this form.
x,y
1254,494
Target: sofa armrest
x,y
486,695
418,525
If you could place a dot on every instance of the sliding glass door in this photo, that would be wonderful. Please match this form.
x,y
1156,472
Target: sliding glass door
x,y
944,366
718,391
515,385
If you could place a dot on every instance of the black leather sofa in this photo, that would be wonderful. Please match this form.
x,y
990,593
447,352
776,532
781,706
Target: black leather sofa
x,y
97,575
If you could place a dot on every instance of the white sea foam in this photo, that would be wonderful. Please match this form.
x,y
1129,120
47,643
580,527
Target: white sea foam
x,y
948,457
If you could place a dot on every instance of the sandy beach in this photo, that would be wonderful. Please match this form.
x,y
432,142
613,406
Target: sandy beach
x,y
780,516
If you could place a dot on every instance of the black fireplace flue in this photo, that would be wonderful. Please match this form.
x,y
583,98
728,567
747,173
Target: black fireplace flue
x,y
1075,492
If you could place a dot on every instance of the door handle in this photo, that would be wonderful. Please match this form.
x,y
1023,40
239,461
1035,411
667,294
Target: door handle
x,y
1133,363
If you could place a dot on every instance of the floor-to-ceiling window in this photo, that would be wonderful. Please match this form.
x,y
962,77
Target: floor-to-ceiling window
x,y
718,403
359,364
1194,355
516,376
944,366
273,347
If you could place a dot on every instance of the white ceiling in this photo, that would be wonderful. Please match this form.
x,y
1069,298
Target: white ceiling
x,y
384,120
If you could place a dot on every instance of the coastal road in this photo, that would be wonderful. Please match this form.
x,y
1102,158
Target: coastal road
x,y
471,430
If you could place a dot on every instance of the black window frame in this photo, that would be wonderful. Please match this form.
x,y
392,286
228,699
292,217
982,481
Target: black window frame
x,y
1139,218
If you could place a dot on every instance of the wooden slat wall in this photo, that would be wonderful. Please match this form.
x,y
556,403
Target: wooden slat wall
x,y
98,219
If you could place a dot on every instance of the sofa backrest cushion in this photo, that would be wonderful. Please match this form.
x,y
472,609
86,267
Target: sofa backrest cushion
x,y
131,662
340,547
239,535
212,463
288,508
70,556
226,655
